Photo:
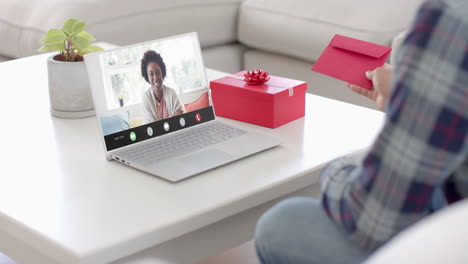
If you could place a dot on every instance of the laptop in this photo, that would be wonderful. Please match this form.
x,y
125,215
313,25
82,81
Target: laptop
x,y
155,113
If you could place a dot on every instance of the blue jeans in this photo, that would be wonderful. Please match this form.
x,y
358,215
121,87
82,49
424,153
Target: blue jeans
x,y
297,230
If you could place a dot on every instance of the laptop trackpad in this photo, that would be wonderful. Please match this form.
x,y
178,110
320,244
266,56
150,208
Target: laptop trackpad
x,y
205,159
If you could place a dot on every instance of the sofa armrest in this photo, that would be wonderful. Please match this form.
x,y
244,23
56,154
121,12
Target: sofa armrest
x,y
439,238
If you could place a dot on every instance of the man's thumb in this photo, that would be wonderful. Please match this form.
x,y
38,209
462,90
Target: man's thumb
x,y
369,75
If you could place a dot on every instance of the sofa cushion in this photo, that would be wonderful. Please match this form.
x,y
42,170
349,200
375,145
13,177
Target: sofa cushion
x,y
115,123
24,22
226,58
201,102
303,28
2,59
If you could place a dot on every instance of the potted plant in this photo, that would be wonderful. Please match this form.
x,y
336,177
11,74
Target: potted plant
x,y
69,92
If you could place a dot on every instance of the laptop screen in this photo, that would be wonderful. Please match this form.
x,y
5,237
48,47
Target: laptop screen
x,y
149,89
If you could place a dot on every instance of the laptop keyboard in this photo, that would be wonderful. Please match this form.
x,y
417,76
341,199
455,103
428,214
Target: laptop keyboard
x,y
181,143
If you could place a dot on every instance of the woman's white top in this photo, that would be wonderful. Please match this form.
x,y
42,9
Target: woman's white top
x,y
149,104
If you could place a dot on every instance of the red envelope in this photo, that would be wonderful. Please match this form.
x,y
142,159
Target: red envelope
x,y
348,59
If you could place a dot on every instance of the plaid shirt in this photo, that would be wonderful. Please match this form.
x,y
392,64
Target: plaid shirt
x,y
423,144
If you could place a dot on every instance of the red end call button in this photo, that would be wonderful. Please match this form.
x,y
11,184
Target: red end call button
x,y
198,117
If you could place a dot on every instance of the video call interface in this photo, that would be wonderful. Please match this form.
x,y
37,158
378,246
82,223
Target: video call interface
x,y
153,89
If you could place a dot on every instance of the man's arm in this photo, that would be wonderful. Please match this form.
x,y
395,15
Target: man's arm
x,y
422,142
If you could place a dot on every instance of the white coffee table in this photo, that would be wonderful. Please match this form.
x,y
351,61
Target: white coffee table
x,y
61,201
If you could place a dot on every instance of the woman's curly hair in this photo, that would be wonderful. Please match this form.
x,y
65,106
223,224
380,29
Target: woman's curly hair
x,y
152,56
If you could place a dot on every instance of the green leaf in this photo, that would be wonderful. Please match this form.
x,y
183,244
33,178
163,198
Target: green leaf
x,y
54,36
49,47
80,42
78,27
86,35
95,48
68,25
90,49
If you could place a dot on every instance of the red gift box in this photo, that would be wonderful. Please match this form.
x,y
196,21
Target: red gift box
x,y
272,104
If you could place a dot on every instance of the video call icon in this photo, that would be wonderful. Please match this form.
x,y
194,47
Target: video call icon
x,y
182,122
166,126
198,117
132,136
149,130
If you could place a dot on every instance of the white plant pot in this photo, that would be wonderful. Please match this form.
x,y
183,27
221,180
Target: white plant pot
x,y
69,92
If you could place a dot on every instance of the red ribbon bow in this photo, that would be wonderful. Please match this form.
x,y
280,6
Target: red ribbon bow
x,y
256,77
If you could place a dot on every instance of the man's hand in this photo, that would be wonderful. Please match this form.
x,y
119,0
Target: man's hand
x,y
381,79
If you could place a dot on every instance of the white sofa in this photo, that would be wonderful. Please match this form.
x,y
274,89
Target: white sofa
x,y
282,37
439,238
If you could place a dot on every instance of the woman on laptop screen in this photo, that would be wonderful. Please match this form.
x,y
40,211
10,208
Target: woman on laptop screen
x,y
159,101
